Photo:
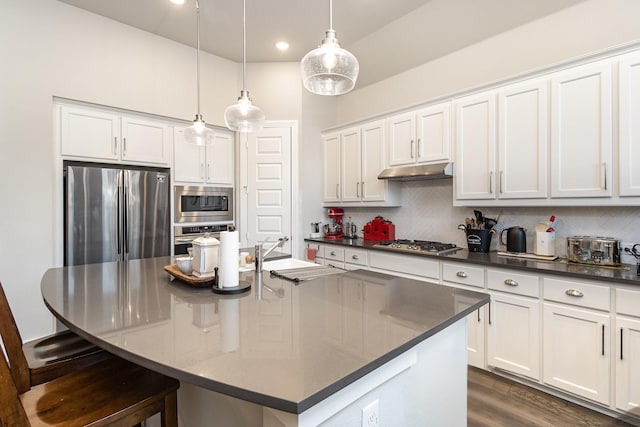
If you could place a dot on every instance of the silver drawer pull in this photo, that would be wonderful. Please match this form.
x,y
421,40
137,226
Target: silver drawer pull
x,y
510,282
574,293
461,274
333,253
355,257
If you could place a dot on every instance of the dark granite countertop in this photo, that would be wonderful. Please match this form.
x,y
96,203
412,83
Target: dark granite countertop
x,y
136,311
624,275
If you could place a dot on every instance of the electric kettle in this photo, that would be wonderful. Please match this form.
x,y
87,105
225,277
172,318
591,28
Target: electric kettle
x,y
516,239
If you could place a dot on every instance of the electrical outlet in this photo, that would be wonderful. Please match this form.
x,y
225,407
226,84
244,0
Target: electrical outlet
x,y
370,415
626,257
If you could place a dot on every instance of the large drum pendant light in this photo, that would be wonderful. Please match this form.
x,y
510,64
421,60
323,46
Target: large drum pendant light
x,y
198,133
244,116
329,69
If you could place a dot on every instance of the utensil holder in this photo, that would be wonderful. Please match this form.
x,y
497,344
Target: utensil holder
x,y
478,240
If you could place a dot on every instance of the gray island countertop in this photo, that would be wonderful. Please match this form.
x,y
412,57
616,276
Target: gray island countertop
x,y
280,345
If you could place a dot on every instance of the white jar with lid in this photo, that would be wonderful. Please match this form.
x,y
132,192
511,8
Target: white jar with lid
x,y
205,256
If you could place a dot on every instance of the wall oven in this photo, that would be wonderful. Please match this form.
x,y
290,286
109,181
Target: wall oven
x,y
184,235
203,204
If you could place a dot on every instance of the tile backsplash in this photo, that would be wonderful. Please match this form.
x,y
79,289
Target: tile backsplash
x,y
427,213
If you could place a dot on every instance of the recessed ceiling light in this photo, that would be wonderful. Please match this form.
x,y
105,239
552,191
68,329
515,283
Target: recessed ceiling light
x,y
177,1
282,45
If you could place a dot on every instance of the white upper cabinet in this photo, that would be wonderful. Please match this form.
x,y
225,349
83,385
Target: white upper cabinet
x,y
581,150
475,146
213,164
421,136
331,167
629,125
104,135
353,159
523,140
433,130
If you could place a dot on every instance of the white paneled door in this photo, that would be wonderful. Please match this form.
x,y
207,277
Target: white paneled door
x,y
266,186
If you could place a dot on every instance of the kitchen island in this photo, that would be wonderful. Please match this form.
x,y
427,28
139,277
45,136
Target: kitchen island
x,y
282,354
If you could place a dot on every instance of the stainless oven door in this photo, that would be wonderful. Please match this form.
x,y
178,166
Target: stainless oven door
x,y
203,204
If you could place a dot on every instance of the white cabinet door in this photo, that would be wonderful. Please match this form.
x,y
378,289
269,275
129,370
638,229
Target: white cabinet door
x,y
627,364
188,159
576,351
89,133
350,165
475,147
476,338
145,141
331,166
220,160
513,341
402,129
629,125
433,132
523,140
581,132
373,146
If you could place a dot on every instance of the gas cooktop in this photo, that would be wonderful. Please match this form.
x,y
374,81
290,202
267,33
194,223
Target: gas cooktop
x,y
420,246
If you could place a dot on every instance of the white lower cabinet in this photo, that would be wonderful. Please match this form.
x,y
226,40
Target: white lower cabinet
x,y
466,276
627,339
513,325
576,338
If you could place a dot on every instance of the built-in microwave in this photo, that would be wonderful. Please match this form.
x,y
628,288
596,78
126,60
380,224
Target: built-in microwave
x,y
203,204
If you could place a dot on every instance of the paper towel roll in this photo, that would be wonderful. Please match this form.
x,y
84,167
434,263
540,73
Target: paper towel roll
x,y
228,272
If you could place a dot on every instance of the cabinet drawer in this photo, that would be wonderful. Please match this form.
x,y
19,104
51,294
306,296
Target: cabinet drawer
x,y
355,256
405,264
513,283
628,302
577,293
463,274
333,253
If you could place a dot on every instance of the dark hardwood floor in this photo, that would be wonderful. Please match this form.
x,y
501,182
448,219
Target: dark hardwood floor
x,y
496,401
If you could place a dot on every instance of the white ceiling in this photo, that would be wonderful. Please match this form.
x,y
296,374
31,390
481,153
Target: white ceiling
x,y
383,34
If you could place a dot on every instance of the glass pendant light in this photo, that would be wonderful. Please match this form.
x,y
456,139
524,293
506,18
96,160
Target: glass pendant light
x,y
244,116
198,133
329,69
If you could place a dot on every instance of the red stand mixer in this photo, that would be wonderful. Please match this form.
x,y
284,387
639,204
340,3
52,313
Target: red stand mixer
x,y
334,230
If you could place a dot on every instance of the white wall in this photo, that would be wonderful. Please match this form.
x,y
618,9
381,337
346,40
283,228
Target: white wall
x,y
573,32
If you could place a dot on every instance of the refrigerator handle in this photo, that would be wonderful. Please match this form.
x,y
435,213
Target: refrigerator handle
x,y
119,214
125,214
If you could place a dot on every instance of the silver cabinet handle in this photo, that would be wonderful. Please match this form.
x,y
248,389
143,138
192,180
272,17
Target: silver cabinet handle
x,y
412,149
337,192
355,257
491,182
603,339
208,171
501,175
574,293
605,174
510,282
419,148
357,190
461,274
362,188
333,253
115,145
124,147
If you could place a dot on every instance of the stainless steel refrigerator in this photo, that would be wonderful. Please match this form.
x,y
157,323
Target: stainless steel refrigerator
x,y
114,213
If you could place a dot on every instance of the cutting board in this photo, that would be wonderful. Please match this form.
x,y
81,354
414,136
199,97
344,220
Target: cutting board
x,y
528,256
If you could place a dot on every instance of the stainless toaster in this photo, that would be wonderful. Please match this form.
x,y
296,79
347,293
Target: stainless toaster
x,y
593,250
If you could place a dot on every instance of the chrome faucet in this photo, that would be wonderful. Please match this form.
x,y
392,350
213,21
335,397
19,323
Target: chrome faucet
x,y
261,254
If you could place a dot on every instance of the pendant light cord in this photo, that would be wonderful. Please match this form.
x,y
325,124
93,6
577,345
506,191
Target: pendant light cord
x,y
198,55
331,15
244,46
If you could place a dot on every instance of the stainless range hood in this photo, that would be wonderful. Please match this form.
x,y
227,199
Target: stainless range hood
x,y
419,172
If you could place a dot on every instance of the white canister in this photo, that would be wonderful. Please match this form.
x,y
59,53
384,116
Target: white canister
x,y
205,256
545,243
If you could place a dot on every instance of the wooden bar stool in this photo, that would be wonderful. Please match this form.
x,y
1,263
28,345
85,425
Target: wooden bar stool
x,y
44,359
112,392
